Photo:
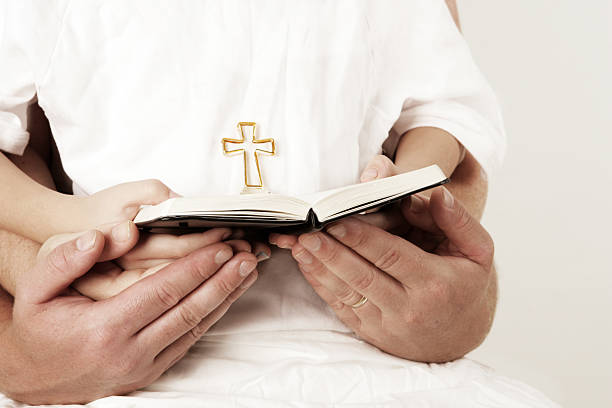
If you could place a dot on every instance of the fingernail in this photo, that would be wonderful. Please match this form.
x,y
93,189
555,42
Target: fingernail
x,y
223,256
86,241
449,200
337,230
272,238
172,194
121,232
246,267
262,256
311,242
303,257
226,235
416,204
369,174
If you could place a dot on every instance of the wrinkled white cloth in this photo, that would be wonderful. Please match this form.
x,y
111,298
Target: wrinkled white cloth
x,y
147,89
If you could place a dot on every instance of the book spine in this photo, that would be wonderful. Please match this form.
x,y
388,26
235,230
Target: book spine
x,y
313,220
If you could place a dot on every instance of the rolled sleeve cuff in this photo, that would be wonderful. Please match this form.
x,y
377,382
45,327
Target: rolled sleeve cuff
x,y
13,139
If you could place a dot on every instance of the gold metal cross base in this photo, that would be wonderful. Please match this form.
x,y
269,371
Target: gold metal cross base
x,y
265,146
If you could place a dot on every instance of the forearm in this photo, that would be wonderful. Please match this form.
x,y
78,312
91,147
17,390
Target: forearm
x,y
30,209
17,255
424,146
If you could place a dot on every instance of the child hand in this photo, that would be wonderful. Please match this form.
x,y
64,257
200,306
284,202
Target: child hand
x,y
149,253
380,166
120,203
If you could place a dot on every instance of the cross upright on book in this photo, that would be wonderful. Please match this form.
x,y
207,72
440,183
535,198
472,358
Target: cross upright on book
x,y
249,146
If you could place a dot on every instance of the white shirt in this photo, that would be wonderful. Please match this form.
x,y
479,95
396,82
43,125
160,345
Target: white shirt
x,y
147,89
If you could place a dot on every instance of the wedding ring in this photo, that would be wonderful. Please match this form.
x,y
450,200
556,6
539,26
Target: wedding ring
x,y
361,302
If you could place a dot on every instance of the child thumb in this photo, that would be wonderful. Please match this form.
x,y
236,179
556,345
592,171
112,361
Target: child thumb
x,y
379,167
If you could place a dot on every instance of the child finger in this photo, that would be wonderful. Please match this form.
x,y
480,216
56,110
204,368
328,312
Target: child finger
x,y
167,246
239,245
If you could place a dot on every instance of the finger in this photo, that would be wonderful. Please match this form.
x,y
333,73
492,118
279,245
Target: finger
x,y
311,266
167,246
261,251
389,219
239,245
285,241
152,296
399,258
345,313
358,273
175,351
55,272
379,167
99,282
416,212
145,192
198,305
119,239
466,235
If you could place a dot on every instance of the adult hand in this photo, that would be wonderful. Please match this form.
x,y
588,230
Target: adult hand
x,y
151,252
425,306
119,344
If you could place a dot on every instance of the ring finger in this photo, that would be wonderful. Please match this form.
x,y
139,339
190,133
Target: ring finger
x,y
341,291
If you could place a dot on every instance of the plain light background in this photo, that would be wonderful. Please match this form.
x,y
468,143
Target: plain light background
x,y
550,207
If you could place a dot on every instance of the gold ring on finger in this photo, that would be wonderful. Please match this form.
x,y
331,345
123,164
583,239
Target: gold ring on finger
x,y
360,303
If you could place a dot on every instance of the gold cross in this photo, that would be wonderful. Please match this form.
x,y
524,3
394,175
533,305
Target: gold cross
x,y
267,148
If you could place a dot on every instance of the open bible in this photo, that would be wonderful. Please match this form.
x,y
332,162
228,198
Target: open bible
x,y
266,210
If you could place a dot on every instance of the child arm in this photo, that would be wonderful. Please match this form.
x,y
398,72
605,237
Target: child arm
x,y
30,209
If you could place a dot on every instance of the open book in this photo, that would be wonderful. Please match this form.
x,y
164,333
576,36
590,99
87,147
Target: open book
x,y
279,211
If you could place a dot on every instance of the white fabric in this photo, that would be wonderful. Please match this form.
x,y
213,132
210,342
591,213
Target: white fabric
x,y
147,89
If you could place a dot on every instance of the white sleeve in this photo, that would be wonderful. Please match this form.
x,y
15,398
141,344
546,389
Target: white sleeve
x,y
425,61
27,35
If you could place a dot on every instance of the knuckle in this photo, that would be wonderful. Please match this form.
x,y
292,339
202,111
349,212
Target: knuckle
x,y
346,295
58,260
364,281
337,305
234,296
390,259
155,187
189,316
224,287
464,219
166,295
330,254
357,238
199,271
198,331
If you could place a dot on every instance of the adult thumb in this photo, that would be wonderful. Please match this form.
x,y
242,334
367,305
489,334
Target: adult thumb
x,y
56,271
466,235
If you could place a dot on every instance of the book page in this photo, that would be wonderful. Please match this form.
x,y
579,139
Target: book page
x,y
335,203
264,206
